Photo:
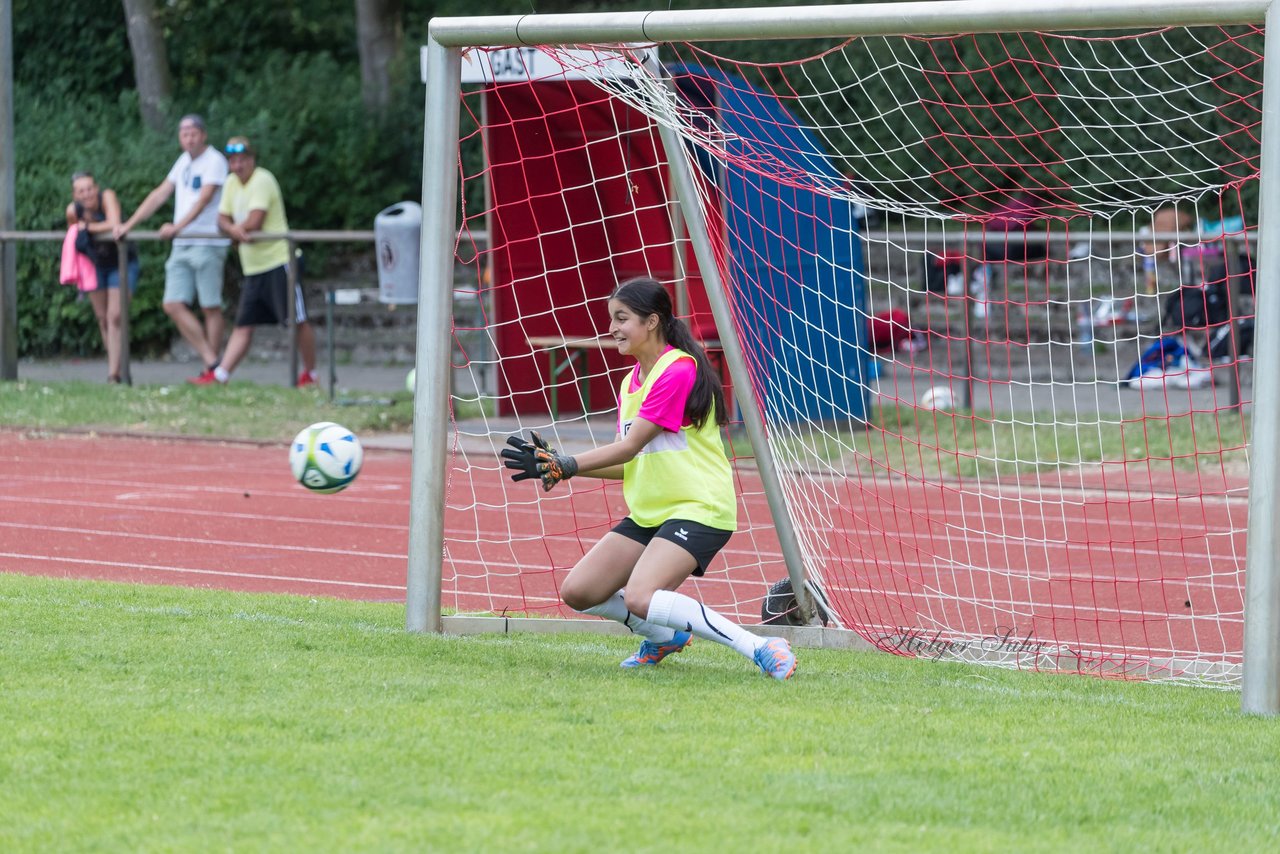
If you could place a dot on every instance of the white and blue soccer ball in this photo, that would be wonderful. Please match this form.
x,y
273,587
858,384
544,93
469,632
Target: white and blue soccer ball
x,y
326,457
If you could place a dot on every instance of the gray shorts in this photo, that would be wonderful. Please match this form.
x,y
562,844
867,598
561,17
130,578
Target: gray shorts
x,y
195,270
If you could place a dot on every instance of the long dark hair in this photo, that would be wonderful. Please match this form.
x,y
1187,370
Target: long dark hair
x,y
645,296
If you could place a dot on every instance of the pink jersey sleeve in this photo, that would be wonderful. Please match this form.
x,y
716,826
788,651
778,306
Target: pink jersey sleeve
x,y
664,404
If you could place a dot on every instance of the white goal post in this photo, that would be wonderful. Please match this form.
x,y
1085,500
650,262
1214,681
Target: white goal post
x,y
442,62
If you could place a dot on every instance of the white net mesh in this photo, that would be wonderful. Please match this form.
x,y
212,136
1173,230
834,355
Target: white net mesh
x,y
995,293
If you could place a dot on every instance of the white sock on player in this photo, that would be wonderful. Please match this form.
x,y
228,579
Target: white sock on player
x,y
615,608
668,608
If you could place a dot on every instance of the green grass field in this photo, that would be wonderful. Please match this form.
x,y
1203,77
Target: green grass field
x,y
236,411
148,718
948,445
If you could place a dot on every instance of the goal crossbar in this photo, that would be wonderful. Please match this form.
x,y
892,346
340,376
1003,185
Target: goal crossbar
x,y
871,19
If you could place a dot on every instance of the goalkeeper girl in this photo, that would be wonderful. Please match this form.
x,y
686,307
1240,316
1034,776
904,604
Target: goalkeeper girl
x,y
677,483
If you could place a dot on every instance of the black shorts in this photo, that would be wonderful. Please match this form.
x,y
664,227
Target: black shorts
x,y
699,540
262,299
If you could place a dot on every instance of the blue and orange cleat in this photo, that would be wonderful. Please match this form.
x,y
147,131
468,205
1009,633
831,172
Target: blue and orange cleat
x,y
776,659
651,653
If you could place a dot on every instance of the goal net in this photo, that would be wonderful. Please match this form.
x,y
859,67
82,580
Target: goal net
x,y
995,297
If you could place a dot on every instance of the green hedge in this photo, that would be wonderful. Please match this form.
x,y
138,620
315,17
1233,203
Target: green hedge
x,y
286,75
57,134
337,169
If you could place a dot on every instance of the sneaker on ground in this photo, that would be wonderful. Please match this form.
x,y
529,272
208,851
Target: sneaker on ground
x,y
776,659
651,653
306,379
206,378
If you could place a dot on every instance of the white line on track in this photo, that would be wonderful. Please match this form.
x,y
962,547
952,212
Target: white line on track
x,y
465,535
143,488
516,598
950,514
98,532
188,511
115,564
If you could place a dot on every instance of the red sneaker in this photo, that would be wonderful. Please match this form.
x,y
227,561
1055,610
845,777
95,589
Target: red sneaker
x,y
207,378
306,379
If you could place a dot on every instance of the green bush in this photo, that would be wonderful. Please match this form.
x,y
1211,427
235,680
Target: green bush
x,y
286,74
337,168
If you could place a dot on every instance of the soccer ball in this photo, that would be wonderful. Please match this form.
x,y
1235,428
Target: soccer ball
x,y
325,457
937,397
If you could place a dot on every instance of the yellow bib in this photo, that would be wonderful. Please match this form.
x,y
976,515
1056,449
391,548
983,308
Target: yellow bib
x,y
683,475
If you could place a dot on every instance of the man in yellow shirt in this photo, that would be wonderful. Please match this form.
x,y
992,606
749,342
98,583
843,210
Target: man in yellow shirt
x,y
251,204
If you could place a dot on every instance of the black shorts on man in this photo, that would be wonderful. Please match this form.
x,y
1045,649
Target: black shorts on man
x,y
701,541
262,299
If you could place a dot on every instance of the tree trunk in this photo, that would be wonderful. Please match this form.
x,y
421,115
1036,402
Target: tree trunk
x,y
379,34
150,62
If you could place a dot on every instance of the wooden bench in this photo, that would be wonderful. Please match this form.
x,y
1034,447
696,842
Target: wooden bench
x,y
574,351
565,352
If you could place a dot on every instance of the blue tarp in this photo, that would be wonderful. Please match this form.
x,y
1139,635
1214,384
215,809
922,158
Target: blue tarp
x,y
795,254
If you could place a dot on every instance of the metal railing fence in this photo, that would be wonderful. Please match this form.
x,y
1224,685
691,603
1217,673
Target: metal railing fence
x,y
293,238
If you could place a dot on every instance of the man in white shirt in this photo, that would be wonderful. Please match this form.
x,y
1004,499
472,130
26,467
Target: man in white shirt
x,y
194,269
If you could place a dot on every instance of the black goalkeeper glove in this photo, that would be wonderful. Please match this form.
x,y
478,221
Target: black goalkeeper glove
x,y
520,457
536,458
552,465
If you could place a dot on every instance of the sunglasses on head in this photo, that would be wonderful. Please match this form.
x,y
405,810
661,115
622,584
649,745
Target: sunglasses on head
x,y
237,148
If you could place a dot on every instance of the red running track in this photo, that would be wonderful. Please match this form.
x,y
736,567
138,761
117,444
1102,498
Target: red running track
x,y
230,516
199,513
1100,571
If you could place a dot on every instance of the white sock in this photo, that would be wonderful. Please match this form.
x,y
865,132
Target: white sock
x,y
668,608
615,608
220,374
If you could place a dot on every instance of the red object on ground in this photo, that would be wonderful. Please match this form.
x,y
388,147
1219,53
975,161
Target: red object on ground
x,y
888,328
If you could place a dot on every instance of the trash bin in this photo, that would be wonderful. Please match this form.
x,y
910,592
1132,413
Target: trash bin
x,y
397,232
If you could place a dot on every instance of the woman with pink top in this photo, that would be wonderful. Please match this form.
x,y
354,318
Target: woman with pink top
x,y
677,483
96,213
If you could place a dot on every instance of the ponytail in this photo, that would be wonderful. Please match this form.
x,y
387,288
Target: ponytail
x,y
646,296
